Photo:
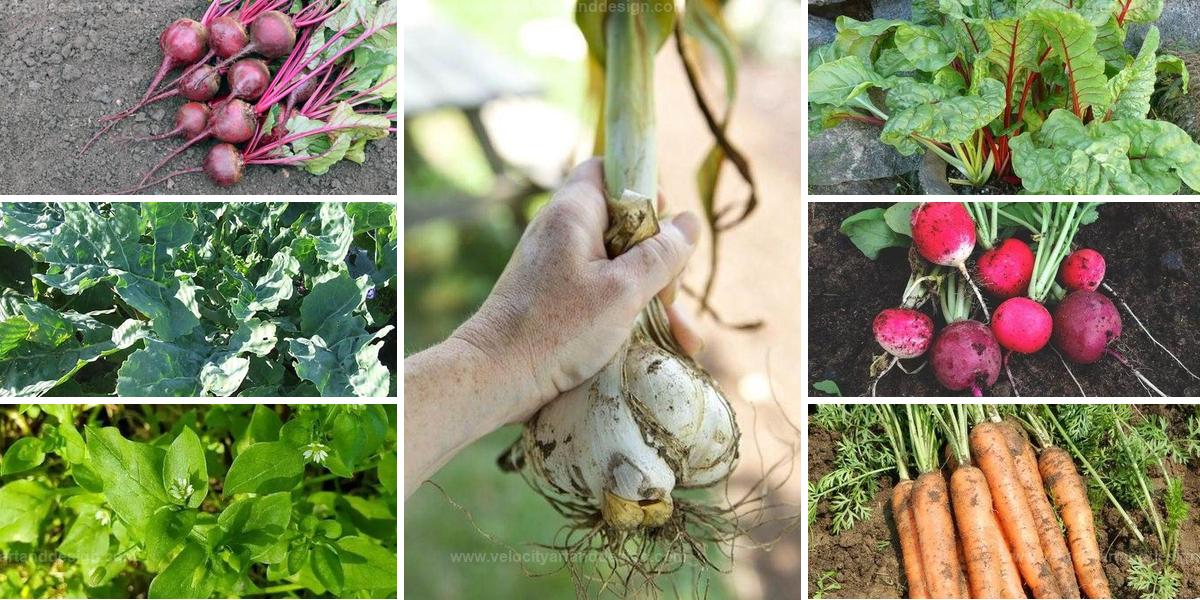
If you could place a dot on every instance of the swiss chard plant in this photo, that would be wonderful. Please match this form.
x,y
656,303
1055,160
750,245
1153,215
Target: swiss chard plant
x,y
190,299
216,501
1037,93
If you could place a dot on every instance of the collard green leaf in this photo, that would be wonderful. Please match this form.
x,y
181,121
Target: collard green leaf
x,y
265,468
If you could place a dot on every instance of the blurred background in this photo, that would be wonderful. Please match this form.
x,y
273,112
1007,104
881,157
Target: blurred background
x,y
495,115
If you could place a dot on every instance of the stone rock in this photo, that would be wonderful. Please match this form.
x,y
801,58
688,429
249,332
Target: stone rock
x,y
887,186
824,2
892,9
852,152
1177,26
821,31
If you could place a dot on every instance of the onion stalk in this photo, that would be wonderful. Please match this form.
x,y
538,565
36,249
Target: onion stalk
x,y
652,421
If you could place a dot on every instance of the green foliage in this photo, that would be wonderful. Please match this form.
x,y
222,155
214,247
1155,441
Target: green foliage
x,y
200,503
190,299
826,583
963,78
862,456
1152,579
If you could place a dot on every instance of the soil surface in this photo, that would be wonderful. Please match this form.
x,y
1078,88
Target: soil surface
x,y
1153,260
63,64
866,558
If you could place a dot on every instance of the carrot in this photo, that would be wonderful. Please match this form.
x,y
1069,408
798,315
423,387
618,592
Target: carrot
x,y
1053,544
1010,576
910,545
935,527
990,451
1063,481
973,515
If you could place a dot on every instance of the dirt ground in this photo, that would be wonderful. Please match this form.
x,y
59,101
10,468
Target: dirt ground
x,y
1153,260
63,64
867,561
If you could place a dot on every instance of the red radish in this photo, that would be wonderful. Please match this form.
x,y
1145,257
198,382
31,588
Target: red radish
x,y
227,36
903,332
248,79
1082,270
944,234
965,355
1005,271
201,84
1085,324
190,121
223,164
1022,325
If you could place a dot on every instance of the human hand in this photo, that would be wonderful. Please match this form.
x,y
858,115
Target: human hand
x,y
561,309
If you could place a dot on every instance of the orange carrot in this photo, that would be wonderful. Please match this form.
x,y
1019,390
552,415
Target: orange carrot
x,y
973,515
1010,576
990,451
1063,481
1054,545
935,527
910,546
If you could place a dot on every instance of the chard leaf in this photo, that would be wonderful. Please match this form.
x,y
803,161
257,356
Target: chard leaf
x,y
1073,41
924,47
932,113
1132,87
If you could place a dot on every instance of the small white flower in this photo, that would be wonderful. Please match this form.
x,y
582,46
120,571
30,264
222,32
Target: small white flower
x,y
181,489
103,517
316,452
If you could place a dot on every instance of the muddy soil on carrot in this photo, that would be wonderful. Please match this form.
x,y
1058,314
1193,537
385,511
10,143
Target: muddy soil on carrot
x,y
63,64
1153,260
865,560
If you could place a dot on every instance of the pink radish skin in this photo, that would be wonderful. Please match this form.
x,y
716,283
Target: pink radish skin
x,y
248,79
943,233
1085,324
903,332
227,36
224,165
966,356
1005,271
1022,325
1082,270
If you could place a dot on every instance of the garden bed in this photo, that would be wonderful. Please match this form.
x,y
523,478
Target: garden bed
x,y
1153,253
864,560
